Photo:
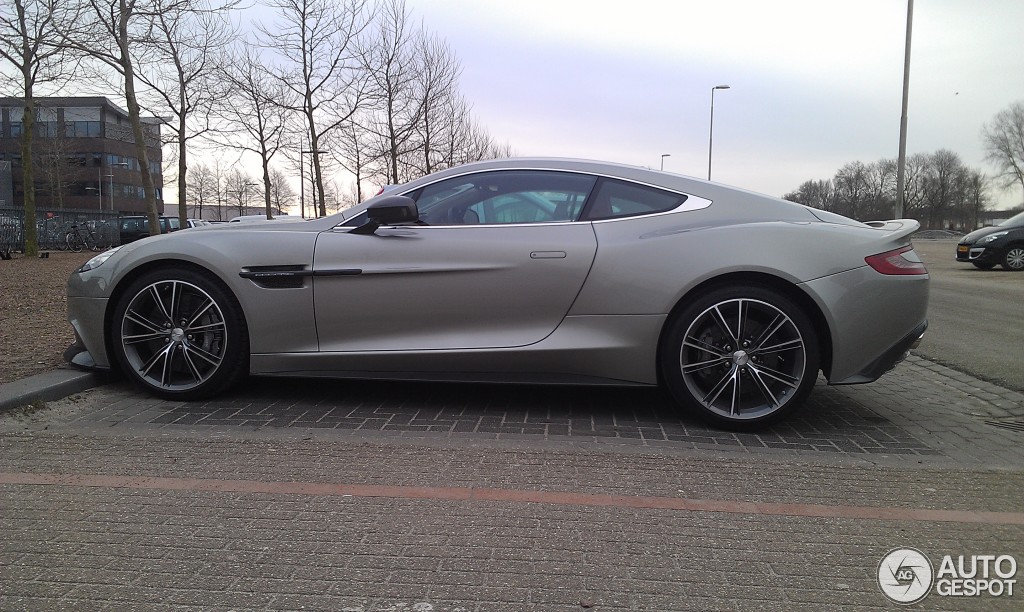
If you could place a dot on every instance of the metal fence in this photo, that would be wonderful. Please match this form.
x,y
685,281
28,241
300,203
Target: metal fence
x,y
60,229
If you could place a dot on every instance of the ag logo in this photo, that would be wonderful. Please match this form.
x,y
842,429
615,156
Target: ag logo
x,y
905,575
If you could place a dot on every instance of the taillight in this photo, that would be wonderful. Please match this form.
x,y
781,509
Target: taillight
x,y
903,260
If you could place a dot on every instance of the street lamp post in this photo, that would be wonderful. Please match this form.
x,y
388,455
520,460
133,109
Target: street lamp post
x,y
111,177
901,164
245,193
663,156
99,187
711,130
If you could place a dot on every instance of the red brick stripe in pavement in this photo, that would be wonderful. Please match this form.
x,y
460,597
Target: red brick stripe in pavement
x,y
513,496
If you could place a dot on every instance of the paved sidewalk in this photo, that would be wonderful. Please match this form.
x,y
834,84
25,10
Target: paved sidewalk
x,y
382,496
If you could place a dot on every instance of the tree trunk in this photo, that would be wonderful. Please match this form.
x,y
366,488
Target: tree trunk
x,y
134,116
27,130
182,166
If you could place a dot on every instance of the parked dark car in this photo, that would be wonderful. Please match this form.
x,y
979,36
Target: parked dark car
x,y
134,228
1000,244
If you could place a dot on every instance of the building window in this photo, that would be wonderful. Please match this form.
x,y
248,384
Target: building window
x,y
15,129
83,129
46,129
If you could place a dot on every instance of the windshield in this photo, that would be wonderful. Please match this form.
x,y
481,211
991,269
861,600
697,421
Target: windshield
x,y
1014,221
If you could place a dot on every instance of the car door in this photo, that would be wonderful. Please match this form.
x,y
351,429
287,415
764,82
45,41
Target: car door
x,y
498,263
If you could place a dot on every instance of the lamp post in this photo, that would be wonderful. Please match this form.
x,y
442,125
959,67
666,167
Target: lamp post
x,y
111,177
663,156
99,192
711,130
245,193
901,164
99,187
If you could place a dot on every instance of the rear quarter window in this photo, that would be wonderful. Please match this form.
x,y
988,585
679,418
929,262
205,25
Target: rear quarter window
x,y
617,199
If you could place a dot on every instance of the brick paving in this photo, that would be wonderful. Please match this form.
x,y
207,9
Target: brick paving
x,y
828,425
338,495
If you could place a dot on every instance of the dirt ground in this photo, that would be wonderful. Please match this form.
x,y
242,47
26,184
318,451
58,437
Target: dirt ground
x,y
33,316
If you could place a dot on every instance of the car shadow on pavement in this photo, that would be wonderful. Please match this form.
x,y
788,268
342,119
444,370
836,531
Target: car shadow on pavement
x,y
829,422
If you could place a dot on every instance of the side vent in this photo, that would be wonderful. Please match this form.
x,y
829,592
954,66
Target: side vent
x,y
276,277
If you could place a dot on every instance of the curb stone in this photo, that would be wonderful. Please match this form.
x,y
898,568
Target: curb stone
x,y
47,386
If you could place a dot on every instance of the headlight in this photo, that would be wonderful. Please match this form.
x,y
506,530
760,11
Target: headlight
x,y
991,237
97,261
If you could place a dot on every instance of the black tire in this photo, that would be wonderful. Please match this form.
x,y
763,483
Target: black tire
x,y
180,334
983,266
750,356
74,242
1013,258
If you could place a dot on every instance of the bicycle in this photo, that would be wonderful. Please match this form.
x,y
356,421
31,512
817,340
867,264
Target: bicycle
x,y
77,239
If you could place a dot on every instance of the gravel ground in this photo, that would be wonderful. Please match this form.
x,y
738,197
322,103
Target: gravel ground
x,y
33,315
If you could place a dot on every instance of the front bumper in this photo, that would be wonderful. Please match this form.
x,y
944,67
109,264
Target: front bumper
x,y
86,316
968,253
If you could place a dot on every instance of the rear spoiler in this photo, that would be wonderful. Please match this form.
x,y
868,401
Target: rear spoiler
x,y
900,228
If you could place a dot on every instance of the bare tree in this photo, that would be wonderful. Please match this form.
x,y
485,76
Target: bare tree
x,y
436,86
352,152
913,188
939,191
254,105
315,43
26,32
282,195
52,158
973,198
392,70
203,188
816,194
187,46
1003,140
940,185
112,32
241,190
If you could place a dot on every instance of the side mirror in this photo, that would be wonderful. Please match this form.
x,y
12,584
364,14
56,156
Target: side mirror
x,y
393,209
388,211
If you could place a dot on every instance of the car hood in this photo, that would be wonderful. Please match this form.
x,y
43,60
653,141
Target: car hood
x,y
981,233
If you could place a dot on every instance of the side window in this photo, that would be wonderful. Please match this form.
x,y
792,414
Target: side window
x,y
616,199
505,197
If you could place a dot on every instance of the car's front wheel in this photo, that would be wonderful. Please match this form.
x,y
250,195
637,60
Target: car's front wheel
x,y
741,357
1013,259
180,334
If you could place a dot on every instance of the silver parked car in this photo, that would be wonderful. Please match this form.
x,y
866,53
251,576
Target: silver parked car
x,y
521,270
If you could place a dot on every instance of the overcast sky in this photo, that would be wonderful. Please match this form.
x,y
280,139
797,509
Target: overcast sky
x,y
814,83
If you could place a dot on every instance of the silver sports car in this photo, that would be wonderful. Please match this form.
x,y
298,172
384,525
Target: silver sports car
x,y
521,270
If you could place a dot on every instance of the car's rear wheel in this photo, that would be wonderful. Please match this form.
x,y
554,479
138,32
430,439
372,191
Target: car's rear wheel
x,y
180,334
1013,259
740,357
983,266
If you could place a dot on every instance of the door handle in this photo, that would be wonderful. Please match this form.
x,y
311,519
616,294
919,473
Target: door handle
x,y
547,255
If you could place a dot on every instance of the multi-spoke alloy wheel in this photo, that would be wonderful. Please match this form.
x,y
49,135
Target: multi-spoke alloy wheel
x,y
1014,258
741,357
176,334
